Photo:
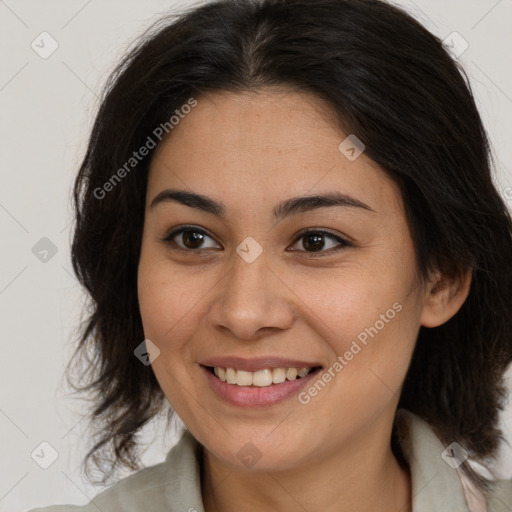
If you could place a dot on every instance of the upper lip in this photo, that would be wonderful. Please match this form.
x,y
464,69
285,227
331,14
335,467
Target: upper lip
x,y
257,363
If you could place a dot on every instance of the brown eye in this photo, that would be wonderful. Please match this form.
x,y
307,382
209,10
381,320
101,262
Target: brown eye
x,y
314,242
189,238
192,239
320,241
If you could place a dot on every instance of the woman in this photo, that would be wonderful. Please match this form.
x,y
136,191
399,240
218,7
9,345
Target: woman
x,y
287,225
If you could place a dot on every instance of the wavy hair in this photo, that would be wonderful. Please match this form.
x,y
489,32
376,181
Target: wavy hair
x,y
388,80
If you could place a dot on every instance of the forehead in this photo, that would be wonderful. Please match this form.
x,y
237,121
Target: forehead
x,y
265,145
272,117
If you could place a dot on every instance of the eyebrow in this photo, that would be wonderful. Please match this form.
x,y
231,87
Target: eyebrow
x,y
284,209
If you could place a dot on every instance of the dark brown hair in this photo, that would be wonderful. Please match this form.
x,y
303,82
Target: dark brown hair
x,y
394,85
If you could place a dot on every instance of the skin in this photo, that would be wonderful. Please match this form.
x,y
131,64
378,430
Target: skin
x,y
250,151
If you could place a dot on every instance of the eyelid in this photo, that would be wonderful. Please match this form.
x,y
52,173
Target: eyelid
x,y
324,231
342,240
186,227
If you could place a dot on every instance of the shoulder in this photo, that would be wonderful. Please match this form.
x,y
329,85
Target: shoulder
x,y
158,488
499,496
436,479
136,492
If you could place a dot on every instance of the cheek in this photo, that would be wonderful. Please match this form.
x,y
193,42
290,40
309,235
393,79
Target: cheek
x,y
343,302
370,320
168,300
168,303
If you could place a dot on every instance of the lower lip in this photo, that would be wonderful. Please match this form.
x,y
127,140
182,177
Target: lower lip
x,y
254,396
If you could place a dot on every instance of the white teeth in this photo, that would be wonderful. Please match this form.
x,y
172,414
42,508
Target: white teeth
x,y
291,373
260,378
303,372
278,375
230,376
243,378
221,373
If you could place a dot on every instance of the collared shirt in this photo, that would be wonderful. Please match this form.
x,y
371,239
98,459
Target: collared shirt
x,y
174,485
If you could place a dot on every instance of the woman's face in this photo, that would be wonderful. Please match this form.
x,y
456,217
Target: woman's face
x,y
245,288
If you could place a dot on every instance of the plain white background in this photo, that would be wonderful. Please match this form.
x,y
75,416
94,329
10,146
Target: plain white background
x,y
47,107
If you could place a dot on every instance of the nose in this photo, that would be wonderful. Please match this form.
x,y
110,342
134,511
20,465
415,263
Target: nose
x,y
252,300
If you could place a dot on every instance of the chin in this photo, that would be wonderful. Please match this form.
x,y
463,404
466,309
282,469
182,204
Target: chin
x,y
258,452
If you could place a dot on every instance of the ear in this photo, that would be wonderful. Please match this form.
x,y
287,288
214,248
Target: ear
x,y
444,296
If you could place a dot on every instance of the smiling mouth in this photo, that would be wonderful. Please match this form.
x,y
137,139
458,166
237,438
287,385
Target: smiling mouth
x,y
260,378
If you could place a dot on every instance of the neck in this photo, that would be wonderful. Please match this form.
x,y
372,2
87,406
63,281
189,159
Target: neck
x,y
358,478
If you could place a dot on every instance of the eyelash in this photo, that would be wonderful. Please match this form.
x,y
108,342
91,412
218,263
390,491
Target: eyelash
x,y
168,239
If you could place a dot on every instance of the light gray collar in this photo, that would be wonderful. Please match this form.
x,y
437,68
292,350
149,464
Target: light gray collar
x,y
435,485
